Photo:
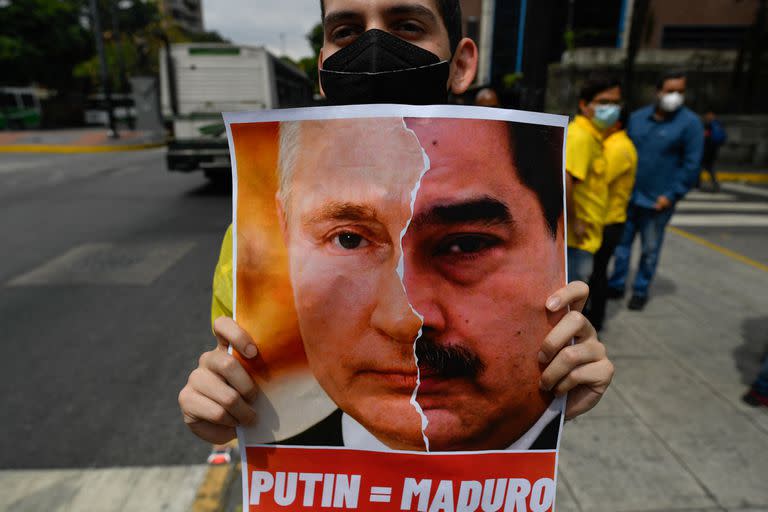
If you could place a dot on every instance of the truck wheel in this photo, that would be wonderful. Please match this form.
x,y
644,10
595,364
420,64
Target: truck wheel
x,y
219,179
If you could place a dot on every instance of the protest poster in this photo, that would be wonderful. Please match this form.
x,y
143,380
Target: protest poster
x,y
392,264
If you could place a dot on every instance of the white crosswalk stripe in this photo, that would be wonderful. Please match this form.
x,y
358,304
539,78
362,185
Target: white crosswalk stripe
x,y
731,209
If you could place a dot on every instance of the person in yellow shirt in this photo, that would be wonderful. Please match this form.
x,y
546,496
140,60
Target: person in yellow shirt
x,y
621,166
586,184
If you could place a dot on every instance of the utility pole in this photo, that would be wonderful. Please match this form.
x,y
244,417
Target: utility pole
x,y
117,37
104,74
640,10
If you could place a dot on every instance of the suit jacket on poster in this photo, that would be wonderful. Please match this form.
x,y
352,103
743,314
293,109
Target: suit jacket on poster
x,y
328,433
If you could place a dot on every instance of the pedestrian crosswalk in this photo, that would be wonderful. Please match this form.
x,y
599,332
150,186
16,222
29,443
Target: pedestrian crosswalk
x,y
738,205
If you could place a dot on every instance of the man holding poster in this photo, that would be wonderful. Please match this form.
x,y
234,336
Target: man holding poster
x,y
481,252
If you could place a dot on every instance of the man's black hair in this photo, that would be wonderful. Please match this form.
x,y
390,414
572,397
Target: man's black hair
x,y
595,86
450,12
624,117
670,75
538,155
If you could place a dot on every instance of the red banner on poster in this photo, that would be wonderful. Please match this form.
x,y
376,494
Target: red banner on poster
x,y
313,479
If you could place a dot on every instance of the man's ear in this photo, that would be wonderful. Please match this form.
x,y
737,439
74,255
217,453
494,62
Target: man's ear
x,y
319,67
281,216
463,66
583,108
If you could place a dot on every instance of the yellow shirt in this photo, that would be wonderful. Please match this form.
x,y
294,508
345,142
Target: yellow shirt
x,y
621,160
584,161
221,302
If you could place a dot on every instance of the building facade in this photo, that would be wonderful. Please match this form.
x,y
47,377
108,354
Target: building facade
x,y
187,14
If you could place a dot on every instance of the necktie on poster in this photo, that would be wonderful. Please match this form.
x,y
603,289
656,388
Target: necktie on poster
x,y
392,264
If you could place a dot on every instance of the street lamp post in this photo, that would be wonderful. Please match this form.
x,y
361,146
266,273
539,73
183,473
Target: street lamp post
x,y
104,74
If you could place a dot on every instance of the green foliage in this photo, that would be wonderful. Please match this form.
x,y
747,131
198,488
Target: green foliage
x,y
41,42
509,80
315,38
570,40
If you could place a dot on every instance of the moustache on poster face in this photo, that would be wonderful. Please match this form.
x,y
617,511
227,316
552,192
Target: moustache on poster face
x,y
446,361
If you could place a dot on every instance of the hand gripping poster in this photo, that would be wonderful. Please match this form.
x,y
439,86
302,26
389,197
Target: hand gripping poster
x,y
392,264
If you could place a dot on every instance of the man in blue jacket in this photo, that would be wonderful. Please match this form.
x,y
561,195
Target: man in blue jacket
x,y
669,140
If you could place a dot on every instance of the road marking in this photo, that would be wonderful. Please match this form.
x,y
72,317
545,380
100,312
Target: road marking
x,y
722,250
748,189
107,264
719,220
696,195
722,207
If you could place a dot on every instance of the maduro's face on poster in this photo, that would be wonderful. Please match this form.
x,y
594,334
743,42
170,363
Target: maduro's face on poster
x,y
345,200
481,258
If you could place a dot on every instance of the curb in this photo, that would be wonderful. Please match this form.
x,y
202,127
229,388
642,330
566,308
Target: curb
x,y
747,177
212,493
64,148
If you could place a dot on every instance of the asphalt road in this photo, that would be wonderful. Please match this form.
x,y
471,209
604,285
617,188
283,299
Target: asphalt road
x,y
735,218
105,289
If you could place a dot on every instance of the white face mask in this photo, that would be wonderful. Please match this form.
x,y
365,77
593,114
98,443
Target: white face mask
x,y
672,101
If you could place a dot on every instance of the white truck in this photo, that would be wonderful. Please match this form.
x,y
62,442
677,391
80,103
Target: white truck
x,y
201,80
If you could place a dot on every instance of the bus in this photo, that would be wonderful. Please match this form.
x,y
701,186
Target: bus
x,y
19,108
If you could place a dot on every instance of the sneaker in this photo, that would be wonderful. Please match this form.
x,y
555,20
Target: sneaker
x,y
615,293
219,457
755,399
637,303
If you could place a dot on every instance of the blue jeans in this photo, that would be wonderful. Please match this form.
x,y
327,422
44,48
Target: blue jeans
x,y
761,383
651,225
579,264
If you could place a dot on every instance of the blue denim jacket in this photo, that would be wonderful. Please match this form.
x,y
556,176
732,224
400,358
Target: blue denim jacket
x,y
669,154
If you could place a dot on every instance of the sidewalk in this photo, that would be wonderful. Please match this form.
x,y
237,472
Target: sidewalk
x,y
167,488
672,433
76,140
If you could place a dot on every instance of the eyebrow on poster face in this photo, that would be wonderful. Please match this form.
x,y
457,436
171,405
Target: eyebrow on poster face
x,y
341,211
484,210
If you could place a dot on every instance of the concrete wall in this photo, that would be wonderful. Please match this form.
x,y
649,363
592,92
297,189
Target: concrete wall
x,y
696,12
709,86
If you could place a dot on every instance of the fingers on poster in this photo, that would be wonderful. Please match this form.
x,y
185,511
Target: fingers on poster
x,y
392,264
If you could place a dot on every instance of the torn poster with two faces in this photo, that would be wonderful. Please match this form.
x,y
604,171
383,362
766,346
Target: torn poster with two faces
x,y
392,264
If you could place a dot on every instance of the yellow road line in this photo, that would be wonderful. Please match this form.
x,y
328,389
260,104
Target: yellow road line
x,y
719,248
64,148
749,177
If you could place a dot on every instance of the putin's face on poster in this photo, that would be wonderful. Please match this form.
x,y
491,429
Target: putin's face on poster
x,y
423,240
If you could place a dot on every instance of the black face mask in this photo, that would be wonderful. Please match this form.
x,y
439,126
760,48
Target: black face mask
x,y
381,68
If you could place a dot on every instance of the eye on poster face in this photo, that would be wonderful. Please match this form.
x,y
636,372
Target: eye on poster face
x,y
392,264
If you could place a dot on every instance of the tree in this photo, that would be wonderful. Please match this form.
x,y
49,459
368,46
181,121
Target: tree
x,y
133,45
41,41
309,64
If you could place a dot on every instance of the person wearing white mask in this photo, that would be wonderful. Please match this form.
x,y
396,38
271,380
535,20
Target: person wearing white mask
x,y
586,184
669,140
